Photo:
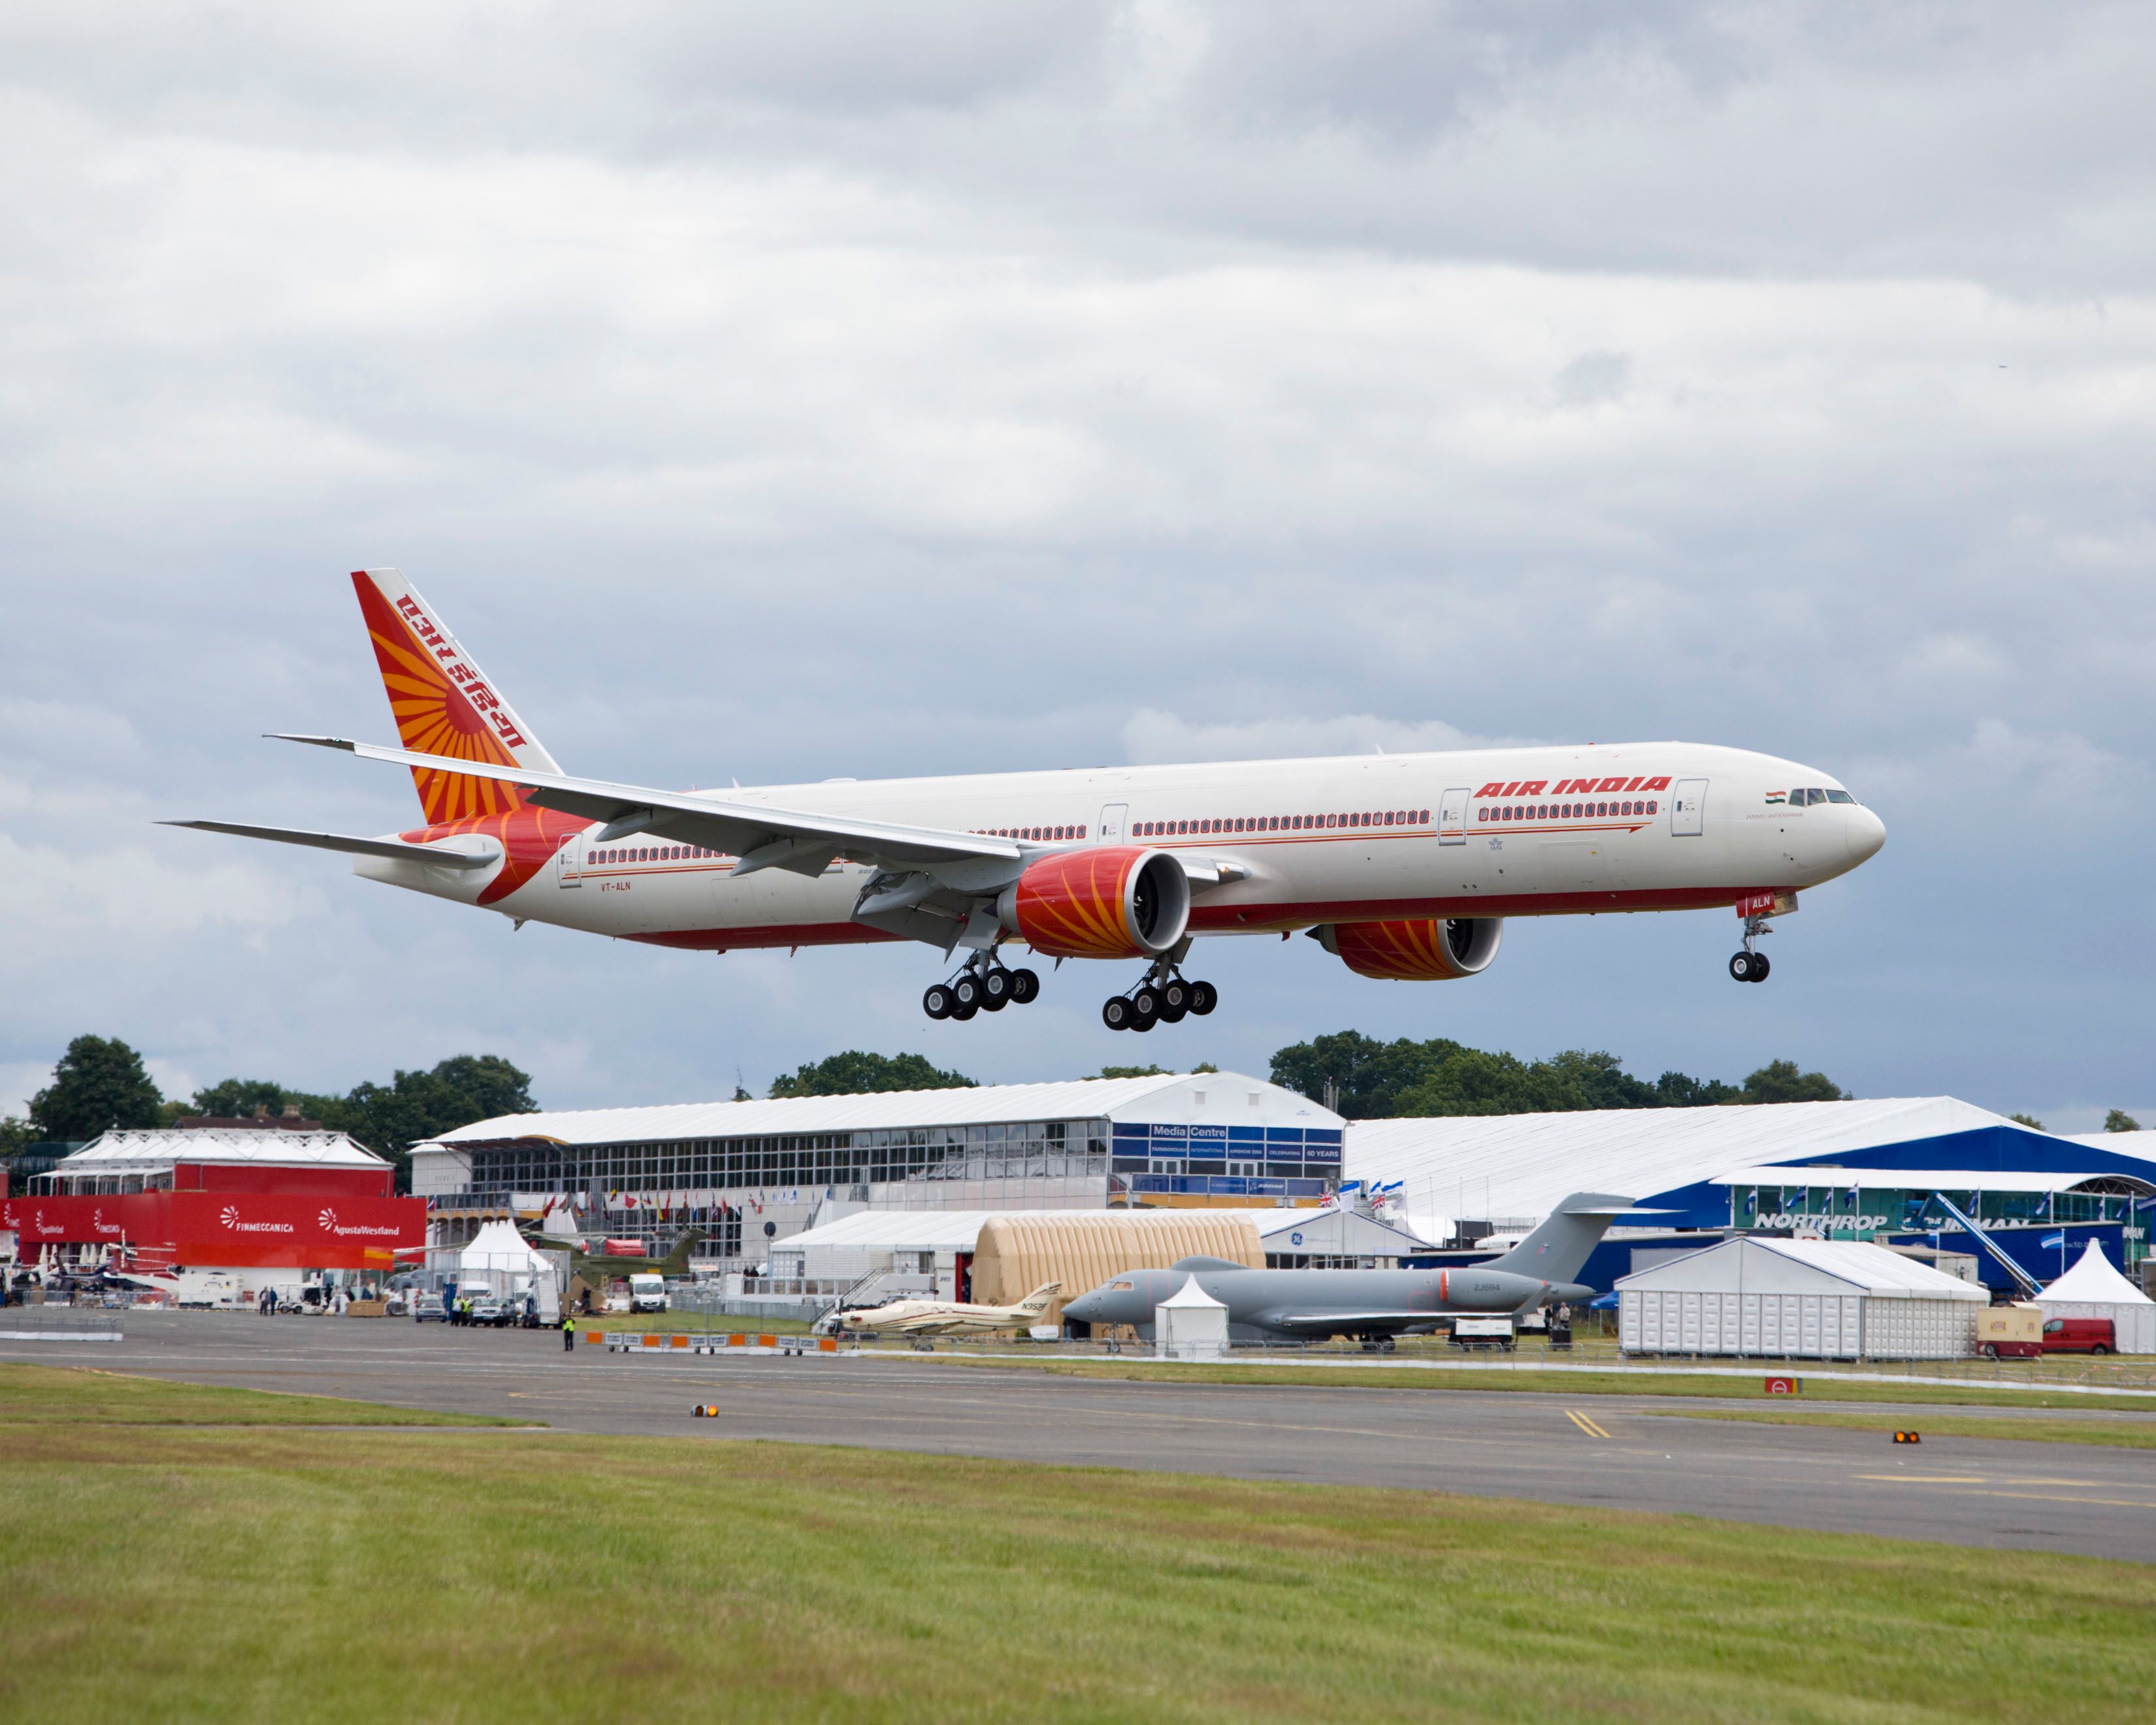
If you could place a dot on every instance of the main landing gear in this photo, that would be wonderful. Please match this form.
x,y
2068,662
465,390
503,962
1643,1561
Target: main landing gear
x,y
1751,965
982,985
1163,996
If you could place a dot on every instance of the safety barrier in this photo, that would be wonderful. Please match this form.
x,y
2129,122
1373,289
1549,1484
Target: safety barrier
x,y
707,1342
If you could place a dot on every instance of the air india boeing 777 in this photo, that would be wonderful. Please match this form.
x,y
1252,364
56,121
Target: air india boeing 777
x,y
1403,866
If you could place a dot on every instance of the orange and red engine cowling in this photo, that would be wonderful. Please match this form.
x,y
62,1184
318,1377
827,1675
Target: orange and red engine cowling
x,y
1424,950
1109,901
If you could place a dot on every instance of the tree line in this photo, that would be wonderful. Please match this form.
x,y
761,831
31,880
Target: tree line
x,y
101,1083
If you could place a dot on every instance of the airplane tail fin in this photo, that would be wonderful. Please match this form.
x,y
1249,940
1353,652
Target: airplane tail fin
x,y
1036,1302
443,703
1557,1251
676,1262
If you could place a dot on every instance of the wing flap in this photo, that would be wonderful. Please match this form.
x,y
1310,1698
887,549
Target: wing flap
x,y
435,856
761,837
1341,1319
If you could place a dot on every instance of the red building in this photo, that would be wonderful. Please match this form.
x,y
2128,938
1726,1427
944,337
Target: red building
x,y
228,1197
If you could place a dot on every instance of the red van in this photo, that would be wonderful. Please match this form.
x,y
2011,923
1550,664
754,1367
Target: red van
x,y
2079,1335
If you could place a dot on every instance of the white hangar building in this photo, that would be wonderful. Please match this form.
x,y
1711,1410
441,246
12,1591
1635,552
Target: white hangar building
x,y
747,1173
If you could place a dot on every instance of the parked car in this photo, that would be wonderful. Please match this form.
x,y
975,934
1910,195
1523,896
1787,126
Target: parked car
x,y
427,1309
488,1313
2079,1335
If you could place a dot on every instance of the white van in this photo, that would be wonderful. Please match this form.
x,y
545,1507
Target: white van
x,y
647,1292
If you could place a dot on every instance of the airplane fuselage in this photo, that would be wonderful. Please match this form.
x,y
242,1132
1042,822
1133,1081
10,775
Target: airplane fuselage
x,y
1491,833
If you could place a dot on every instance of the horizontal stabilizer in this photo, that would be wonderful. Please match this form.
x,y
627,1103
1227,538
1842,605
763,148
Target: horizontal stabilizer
x,y
435,856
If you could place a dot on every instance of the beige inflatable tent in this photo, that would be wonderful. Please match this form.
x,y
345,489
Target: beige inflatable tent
x,y
1082,1249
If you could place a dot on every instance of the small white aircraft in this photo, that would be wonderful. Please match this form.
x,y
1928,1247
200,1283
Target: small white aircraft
x,y
1405,867
945,1318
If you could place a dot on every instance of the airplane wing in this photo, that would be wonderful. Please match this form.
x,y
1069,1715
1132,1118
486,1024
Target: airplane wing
x,y
439,856
762,838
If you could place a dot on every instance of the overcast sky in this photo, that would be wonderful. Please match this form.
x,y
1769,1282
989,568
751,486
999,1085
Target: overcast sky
x,y
791,391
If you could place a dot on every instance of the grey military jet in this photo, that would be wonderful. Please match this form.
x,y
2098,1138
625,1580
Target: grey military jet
x,y
1372,1305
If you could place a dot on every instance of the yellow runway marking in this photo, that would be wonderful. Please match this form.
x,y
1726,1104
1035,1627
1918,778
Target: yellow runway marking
x,y
1584,1424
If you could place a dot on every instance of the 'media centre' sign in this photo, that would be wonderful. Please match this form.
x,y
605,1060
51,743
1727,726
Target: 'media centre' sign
x,y
239,1229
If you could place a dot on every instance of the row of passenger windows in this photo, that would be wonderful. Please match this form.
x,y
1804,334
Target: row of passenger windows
x,y
1280,822
1045,835
651,853
1566,811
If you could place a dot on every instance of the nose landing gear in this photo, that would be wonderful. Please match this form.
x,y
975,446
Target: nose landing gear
x,y
1751,965
982,985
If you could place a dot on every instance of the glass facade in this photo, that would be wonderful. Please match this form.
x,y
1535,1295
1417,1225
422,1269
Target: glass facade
x,y
1255,1161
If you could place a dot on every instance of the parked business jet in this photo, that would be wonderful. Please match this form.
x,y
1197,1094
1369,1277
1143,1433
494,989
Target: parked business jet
x,y
1406,867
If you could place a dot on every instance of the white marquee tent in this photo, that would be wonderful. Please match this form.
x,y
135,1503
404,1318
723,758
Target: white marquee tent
x,y
1812,1298
1190,1324
502,1259
2094,1288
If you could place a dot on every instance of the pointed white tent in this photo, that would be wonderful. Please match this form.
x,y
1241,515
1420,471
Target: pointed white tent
x,y
1190,1324
2094,1288
505,1262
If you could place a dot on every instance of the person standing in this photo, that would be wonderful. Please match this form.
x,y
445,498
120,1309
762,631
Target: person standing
x,y
568,1332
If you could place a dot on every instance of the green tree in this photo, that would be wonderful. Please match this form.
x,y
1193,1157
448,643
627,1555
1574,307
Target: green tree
x,y
413,1107
2029,1120
2119,1121
17,1135
1368,1076
97,1084
238,1098
1676,1090
855,1072
1135,1072
1780,1081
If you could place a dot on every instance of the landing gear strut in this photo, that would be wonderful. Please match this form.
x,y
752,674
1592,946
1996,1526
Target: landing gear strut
x,y
1163,995
1751,965
980,985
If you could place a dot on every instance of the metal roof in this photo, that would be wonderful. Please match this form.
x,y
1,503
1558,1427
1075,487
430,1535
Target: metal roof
x,y
1871,1268
134,1152
1169,1098
1520,1165
957,1230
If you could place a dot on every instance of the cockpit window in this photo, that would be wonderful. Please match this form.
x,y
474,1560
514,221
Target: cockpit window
x,y
1839,797
1120,1287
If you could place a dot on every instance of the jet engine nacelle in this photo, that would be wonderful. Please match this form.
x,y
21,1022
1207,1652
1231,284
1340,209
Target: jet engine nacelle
x,y
1112,901
1476,1289
1424,950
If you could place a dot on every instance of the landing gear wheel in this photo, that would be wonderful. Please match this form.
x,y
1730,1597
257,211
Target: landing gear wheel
x,y
1740,966
995,989
938,1002
968,995
962,1012
1115,1012
1760,967
1203,998
1145,1009
1025,987
1174,998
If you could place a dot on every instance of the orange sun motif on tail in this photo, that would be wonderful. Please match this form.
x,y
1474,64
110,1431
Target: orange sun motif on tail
x,y
432,696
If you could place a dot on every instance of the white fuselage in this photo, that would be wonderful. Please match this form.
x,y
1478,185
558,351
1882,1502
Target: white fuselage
x,y
1477,833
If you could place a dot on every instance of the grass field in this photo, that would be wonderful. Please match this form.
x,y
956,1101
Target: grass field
x,y
184,1575
45,1396
1629,1381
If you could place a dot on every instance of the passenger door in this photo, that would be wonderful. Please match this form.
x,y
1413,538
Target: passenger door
x,y
1688,808
1113,819
1452,816
569,861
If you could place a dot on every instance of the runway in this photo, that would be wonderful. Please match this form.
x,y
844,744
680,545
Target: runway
x,y
1604,1452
